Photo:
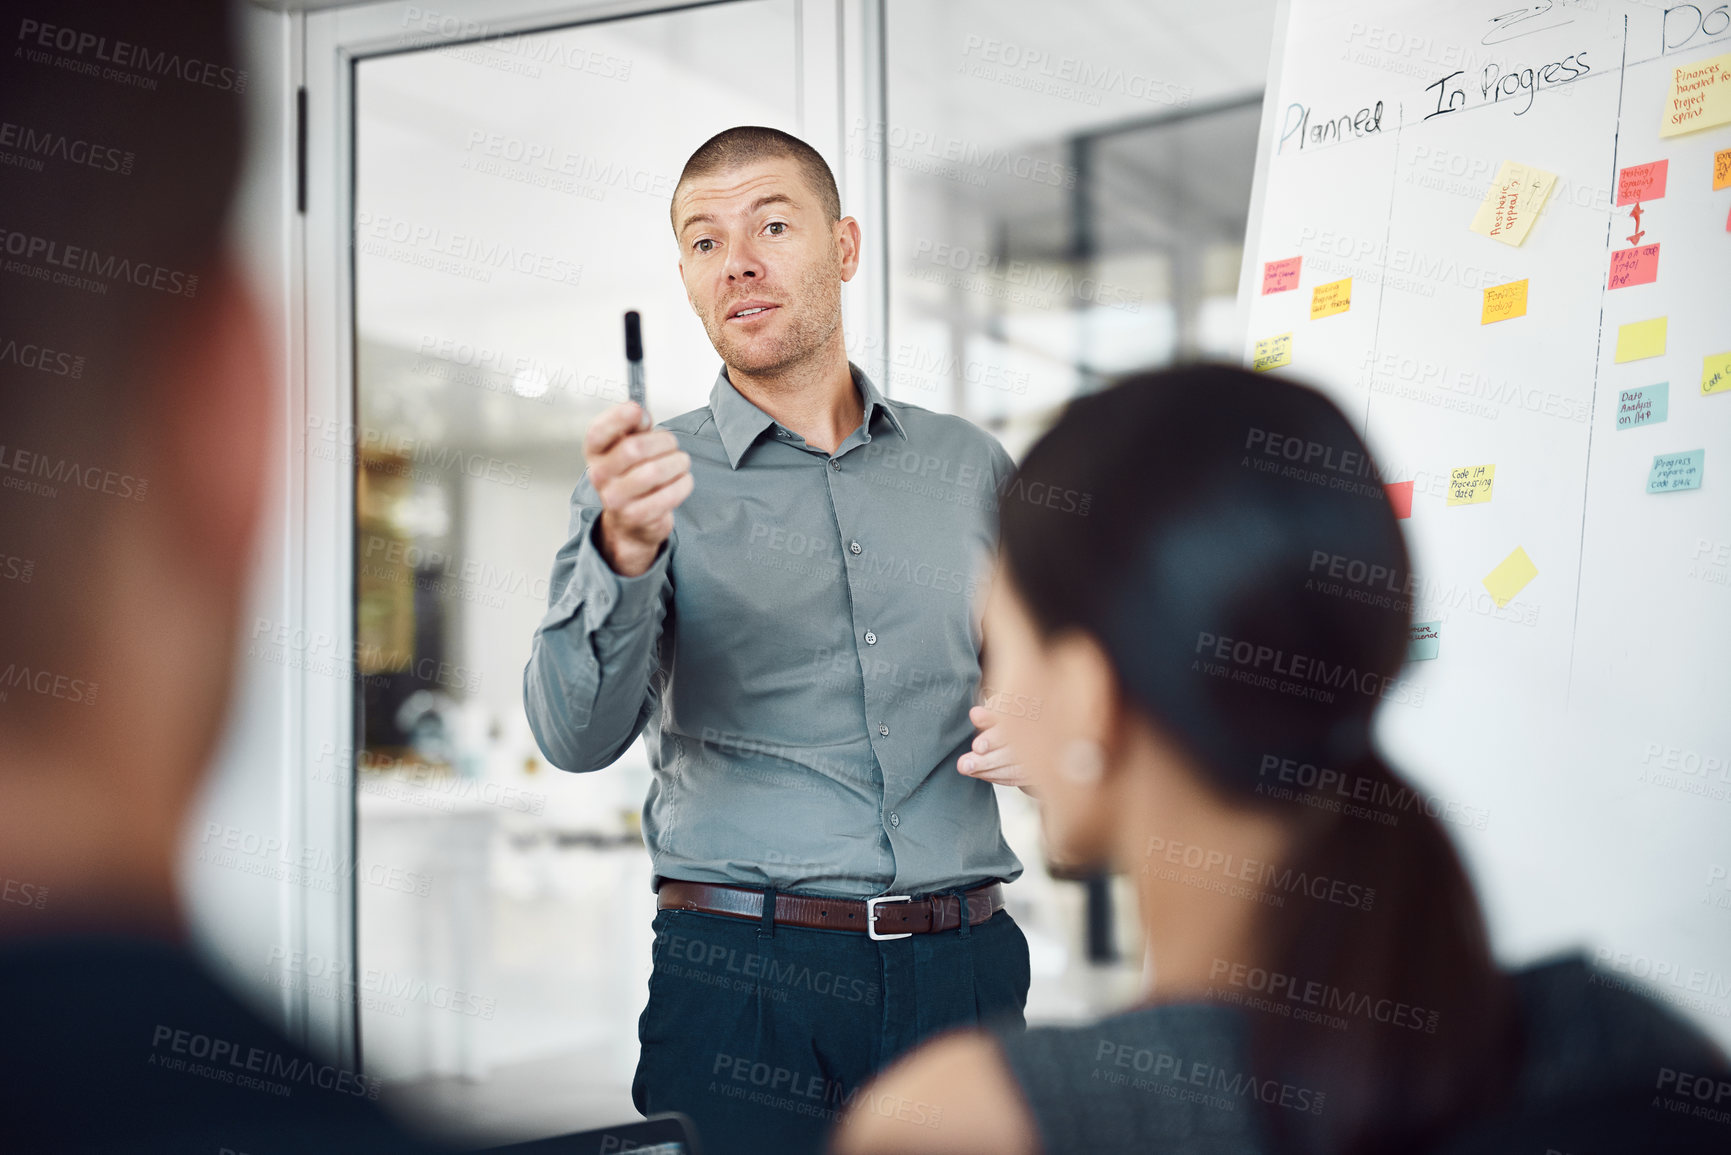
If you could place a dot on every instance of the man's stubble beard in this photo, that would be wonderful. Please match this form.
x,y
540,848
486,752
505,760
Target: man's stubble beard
x,y
810,330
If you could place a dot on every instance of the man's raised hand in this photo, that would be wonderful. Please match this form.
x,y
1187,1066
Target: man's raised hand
x,y
642,475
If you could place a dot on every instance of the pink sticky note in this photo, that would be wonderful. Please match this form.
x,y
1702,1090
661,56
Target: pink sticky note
x,y
1279,276
1642,182
1728,222
1400,497
1638,266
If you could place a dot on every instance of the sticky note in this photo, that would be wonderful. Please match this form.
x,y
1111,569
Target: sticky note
x,y
1510,577
1722,169
1700,97
1674,471
1644,406
1641,339
1503,302
1334,297
1400,497
1638,266
1512,205
1642,182
1425,641
1272,352
1279,276
1471,484
1716,374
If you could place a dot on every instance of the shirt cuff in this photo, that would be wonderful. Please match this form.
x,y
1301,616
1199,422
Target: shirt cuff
x,y
610,599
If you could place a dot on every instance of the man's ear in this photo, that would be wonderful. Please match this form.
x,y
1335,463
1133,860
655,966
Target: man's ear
x,y
847,239
213,422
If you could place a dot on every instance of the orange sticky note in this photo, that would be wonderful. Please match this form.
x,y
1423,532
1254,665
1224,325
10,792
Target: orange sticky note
x,y
1639,340
1722,169
1279,276
1503,302
1642,182
1400,497
1638,266
1334,297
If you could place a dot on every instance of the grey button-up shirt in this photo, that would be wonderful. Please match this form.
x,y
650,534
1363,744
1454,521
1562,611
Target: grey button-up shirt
x,y
803,653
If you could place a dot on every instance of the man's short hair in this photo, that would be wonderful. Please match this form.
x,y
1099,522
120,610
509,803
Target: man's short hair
x,y
748,143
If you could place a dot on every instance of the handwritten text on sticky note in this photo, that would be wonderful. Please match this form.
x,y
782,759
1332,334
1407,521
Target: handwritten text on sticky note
x,y
1510,577
1700,97
1642,182
1641,339
1512,205
1716,373
1471,484
1647,405
1272,352
1637,266
1279,276
1503,302
1425,641
1722,169
1334,297
1673,471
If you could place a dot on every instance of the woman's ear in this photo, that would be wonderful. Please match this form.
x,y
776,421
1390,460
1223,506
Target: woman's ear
x,y
1087,705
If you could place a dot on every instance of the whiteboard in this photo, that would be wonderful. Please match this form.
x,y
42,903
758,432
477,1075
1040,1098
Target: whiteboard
x,y
1577,738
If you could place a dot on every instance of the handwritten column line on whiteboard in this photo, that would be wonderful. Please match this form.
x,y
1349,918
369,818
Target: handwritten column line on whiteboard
x,y
1599,357
1382,268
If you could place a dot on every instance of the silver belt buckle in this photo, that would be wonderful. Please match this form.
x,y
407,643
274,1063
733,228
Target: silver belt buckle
x,y
872,916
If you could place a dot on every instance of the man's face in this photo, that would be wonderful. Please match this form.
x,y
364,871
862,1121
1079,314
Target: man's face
x,y
762,267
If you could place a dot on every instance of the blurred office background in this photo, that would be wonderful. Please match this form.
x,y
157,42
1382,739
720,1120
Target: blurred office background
x,y
1066,192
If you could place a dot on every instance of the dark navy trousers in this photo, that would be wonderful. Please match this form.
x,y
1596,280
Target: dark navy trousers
x,y
766,1034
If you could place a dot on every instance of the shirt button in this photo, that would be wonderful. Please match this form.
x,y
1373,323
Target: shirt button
x,y
871,638
895,819
883,730
834,464
853,547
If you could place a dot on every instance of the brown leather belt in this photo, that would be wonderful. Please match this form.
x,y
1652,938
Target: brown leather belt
x,y
887,916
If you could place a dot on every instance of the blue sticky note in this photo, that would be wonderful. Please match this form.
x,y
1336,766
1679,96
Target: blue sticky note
x,y
1645,406
1426,640
1677,471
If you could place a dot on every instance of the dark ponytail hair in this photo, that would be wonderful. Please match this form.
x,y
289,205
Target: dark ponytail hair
x,y
1240,564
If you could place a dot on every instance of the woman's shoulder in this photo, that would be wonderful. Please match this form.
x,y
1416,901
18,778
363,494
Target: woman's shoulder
x,y
1172,1073
1591,1030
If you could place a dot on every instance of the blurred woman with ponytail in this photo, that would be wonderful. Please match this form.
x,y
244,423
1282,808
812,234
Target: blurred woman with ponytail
x,y
1321,978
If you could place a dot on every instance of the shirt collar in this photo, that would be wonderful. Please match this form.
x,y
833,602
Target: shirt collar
x,y
740,423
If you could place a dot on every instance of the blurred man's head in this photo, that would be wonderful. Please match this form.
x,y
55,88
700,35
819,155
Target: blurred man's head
x,y
134,418
763,248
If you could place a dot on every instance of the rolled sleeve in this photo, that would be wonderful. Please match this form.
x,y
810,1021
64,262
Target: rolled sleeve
x,y
587,689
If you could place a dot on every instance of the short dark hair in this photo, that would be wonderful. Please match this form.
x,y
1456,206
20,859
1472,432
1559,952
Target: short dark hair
x,y
746,143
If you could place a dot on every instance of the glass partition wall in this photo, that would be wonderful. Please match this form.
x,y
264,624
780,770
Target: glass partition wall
x,y
1062,206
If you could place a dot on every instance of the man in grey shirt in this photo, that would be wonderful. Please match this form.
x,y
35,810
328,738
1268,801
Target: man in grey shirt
x,y
781,586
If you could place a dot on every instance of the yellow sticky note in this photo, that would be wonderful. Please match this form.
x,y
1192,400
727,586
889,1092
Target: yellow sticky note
x,y
1639,339
1334,297
1716,373
1700,97
1471,484
1272,352
1510,577
1504,301
1512,205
